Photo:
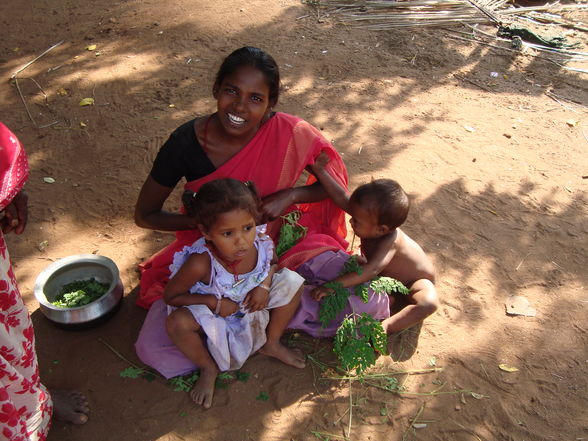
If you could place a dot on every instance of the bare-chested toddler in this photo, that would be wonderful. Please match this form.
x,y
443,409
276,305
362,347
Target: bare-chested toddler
x,y
377,210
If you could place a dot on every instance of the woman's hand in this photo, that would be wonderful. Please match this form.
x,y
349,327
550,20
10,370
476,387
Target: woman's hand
x,y
16,214
276,204
256,299
320,291
228,307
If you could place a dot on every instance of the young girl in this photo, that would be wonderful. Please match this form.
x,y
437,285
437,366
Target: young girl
x,y
223,285
377,210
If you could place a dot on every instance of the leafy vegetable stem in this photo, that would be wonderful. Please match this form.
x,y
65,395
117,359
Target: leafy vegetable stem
x,y
413,421
350,410
377,386
122,357
319,435
385,374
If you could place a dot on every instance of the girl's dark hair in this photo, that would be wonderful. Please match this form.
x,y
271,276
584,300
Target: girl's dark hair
x,y
221,196
386,199
260,60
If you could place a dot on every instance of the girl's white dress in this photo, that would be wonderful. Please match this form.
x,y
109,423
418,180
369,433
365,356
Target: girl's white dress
x,y
231,340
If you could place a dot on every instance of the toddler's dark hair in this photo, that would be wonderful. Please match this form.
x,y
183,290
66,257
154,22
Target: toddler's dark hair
x,y
260,60
386,199
221,196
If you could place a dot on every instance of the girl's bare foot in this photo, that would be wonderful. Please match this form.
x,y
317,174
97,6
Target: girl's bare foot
x,y
70,406
292,357
203,390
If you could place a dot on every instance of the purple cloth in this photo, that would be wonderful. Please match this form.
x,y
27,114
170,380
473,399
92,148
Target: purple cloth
x,y
155,348
321,269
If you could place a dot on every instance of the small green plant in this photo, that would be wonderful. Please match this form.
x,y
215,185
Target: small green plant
x,y
184,383
263,396
137,372
290,233
242,376
356,341
388,285
223,380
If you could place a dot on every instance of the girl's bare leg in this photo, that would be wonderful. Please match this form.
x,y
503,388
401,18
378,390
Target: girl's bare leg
x,y
279,319
424,302
184,331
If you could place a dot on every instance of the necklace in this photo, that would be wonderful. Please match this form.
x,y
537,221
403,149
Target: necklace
x,y
232,265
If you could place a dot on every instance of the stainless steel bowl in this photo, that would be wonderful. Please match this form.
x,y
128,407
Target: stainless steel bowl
x,y
79,267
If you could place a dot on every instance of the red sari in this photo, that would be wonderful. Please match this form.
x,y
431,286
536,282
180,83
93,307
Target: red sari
x,y
274,159
25,405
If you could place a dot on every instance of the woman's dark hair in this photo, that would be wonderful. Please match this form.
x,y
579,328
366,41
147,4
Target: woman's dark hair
x,y
221,196
385,199
260,60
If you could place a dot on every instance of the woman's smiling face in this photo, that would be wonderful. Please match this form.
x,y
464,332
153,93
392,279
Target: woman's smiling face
x,y
242,101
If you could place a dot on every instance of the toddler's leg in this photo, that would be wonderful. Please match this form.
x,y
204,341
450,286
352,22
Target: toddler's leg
x,y
423,302
184,331
279,319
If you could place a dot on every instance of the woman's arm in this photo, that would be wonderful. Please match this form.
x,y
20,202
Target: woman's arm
x,y
149,213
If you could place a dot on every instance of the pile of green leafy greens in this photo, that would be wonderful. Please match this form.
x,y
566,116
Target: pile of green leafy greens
x,y
290,233
79,293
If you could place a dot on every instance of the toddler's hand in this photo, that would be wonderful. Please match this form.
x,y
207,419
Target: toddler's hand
x,y
320,162
319,292
228,307
257,299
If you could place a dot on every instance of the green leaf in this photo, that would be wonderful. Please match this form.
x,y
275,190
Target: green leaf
x,y
184,383
132,372
356,340
263,396
352,266
388,285
243,376
290,232
148,376
226,376
333,304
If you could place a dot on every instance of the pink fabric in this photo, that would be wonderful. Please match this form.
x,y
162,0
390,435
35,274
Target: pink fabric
x,y
274,159
14,168
25,405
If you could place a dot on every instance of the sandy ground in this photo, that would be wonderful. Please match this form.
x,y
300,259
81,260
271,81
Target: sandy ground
x,y
496,168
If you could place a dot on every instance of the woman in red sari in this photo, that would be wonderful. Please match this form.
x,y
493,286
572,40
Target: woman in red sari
x,y
245,139
25,404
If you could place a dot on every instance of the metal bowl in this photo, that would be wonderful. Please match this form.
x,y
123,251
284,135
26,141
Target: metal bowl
x,y
79,267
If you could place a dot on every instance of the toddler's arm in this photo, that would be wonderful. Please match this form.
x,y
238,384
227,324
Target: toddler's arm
x,y
337,193
194,269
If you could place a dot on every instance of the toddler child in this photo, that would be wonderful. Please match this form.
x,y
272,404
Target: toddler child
x,y
223,285
377,210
